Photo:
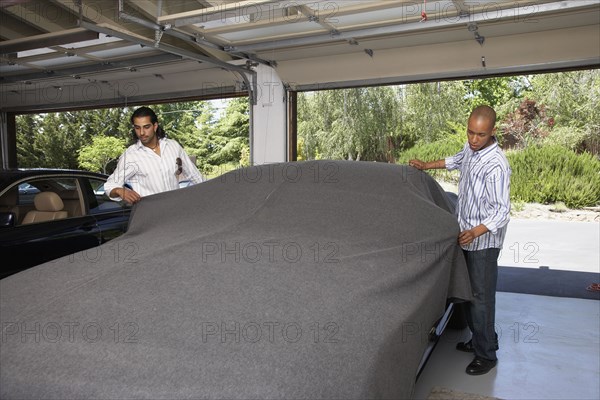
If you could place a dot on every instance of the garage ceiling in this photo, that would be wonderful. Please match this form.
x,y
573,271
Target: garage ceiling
x,y
60,54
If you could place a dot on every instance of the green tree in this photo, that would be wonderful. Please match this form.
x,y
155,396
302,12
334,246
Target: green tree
x,y
235,121
105,122
27,130
53,140
223,144
503,94
311,126
231,134
357,124
103,150
571,101
179,120
572,97
428,108
58,140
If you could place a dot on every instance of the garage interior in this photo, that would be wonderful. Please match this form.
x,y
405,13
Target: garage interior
x,y
79,54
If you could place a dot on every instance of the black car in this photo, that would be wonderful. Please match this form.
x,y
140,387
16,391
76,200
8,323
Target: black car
x,y
46,214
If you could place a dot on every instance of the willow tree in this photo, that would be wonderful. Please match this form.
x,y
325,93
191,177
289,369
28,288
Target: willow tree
x,y
356,124
428,109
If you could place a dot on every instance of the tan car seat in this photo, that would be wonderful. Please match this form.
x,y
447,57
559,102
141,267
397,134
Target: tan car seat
x,y
48,207
72,202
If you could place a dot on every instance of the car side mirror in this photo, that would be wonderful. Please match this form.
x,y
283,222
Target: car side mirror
x,y
7,219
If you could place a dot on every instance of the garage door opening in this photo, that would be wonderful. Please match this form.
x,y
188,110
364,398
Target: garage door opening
x,y
548,125
215,133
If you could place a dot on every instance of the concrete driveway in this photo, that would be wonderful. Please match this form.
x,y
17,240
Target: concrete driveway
x,y
561,245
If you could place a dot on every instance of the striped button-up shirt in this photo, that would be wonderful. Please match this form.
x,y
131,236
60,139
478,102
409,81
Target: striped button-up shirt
x,y
149,173
483,193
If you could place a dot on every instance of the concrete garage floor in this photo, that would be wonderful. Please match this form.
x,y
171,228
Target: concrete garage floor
x,y
549,349
549,346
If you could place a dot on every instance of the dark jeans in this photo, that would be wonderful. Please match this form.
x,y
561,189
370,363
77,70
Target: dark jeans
x,y
481,312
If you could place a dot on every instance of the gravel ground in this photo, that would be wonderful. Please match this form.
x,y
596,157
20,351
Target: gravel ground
x,y
544,211
552,212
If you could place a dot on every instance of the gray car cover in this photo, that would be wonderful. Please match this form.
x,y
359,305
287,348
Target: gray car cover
x,y
315,280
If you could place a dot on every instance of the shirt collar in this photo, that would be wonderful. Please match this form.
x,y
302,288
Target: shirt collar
x,y
140,146
483,153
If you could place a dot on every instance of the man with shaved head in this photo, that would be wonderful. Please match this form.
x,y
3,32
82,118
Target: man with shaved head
x,y
483,212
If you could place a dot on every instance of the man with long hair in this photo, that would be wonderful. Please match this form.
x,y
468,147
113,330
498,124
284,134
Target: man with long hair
x,y
153,164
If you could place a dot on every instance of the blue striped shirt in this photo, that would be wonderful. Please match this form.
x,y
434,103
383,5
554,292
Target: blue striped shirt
x,y
483,193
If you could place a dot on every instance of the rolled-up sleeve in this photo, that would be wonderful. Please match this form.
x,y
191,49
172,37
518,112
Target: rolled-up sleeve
x,y
190,170
117,179
455,161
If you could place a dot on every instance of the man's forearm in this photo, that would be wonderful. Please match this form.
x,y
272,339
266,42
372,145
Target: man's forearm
x,y
128,195
117,192
479,230
438,164
467,237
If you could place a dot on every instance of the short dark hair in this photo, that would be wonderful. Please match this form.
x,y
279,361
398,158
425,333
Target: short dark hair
x,y
147,112
484,111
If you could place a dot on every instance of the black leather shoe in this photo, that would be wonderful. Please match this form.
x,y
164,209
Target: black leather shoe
x,y
467,347
480,366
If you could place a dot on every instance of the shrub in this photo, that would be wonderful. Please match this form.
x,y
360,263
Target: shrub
x,y
448,146
548,174
527,125
569,137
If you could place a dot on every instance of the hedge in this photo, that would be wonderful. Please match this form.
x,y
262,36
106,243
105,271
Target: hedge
x,y
437,150
548,174
540,174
